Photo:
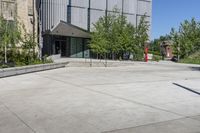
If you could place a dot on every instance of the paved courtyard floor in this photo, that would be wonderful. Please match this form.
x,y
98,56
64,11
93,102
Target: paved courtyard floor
x,y
130,99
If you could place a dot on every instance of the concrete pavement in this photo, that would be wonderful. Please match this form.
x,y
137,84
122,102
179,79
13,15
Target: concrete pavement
x,y
131,99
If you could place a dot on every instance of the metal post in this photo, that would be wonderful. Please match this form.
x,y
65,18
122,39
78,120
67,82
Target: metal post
x,y
122,8
89,15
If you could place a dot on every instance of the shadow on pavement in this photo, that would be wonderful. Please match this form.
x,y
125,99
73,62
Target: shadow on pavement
x,y
195,68
186,88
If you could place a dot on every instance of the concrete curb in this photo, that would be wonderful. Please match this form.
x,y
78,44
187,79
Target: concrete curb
x,y
7,72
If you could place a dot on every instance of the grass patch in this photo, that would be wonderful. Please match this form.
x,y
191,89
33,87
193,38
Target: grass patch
x,y
157,58
192,59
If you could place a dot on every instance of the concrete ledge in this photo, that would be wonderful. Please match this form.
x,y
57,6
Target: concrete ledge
x,y
6,72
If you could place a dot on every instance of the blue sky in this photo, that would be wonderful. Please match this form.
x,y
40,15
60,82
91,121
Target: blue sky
x,y
170,13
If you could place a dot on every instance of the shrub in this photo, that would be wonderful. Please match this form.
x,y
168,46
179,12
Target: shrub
x,y
157,58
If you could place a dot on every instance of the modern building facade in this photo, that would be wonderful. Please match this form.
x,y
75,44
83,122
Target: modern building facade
x,y
64,25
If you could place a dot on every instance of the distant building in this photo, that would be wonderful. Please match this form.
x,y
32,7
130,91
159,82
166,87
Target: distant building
x,y
166,49
64,25
8,9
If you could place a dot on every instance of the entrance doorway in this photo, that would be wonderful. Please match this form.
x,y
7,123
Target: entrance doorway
x,y
57,47
62,48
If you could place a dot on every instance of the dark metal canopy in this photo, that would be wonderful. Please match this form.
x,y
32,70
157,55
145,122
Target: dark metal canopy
x,y
66,29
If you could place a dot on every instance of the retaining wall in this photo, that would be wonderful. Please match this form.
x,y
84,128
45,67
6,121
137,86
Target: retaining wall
x,y
6,72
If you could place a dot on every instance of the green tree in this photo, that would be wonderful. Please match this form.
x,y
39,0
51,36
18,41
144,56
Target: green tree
x,y
155,44
10,35
16,44
113,35
99,42
28,45
141,37
187,39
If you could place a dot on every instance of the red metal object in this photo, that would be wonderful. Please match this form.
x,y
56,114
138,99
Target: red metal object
x,y
146,54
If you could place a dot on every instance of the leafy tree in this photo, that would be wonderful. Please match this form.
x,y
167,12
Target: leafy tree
x,y
155,44
113,35
141,37
187,39
10,34
99,43
16,44
28,45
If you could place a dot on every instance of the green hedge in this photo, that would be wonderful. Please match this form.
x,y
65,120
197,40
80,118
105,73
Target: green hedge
x,y
157,58
154,53
190,61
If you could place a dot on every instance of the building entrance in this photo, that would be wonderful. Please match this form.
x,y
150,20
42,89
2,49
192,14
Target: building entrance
x,y
72,47
62,48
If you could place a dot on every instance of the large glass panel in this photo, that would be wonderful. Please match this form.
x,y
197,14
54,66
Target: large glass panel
x,y
73,48
98,4
114,4
94,17
86,48
52,12
144,7
130,6
79,48
80,3
76,48
131,18
79,17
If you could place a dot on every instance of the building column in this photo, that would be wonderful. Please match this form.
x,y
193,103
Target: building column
x,y
89,14
69,12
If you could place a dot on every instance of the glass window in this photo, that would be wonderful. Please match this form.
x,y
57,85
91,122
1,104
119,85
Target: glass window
x,y
77,48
